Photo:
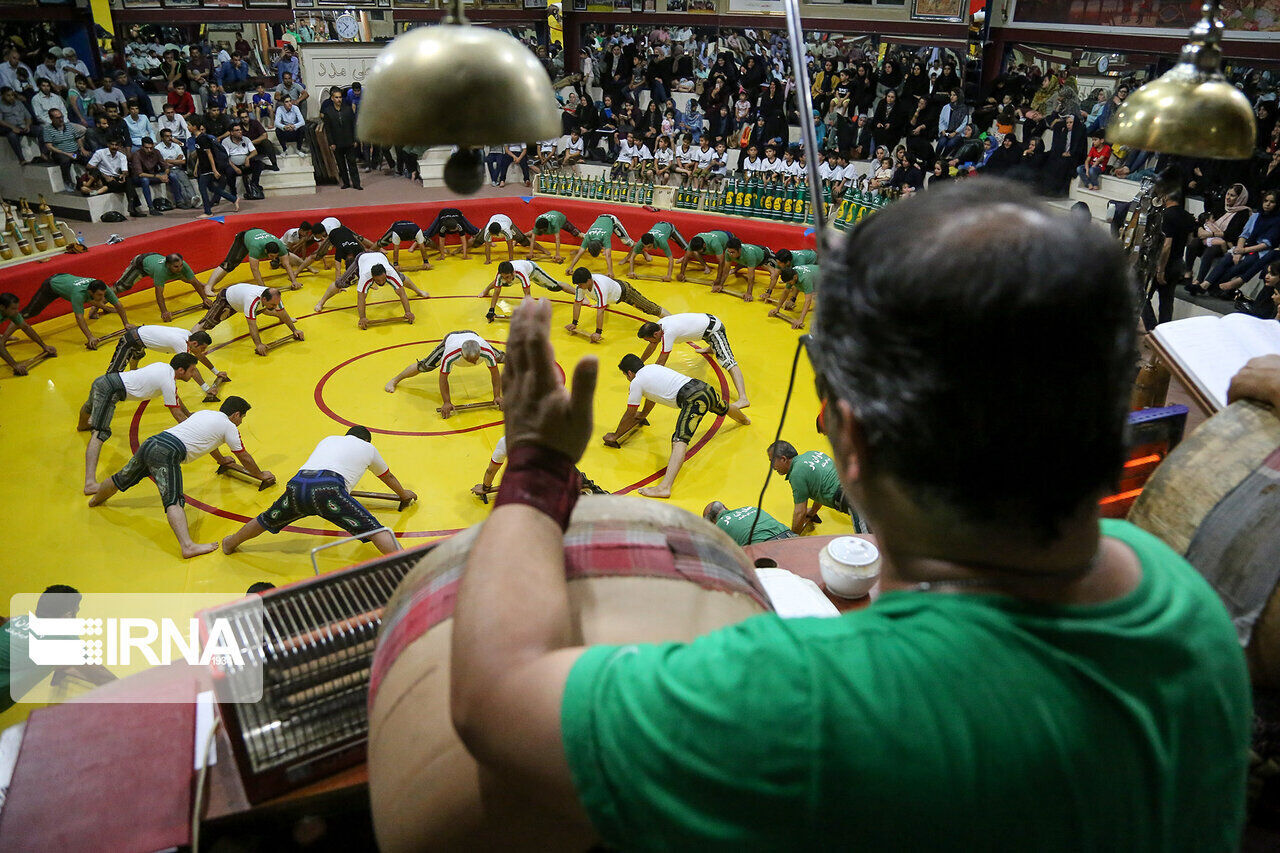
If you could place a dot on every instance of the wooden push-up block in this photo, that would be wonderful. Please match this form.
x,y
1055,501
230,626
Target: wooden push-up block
x,y
211,396
279,342
382,321
504,311
484,493
111,336
35,359
580,333
244,472
383,496
617,442
190,309
465,406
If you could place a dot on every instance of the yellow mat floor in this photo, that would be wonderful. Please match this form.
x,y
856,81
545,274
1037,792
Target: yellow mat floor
x,y
126,546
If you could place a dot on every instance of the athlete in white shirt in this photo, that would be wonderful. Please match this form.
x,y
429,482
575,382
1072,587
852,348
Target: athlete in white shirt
x,y
604,291
574,149
251,301
370,270
323,487
685,328
161,456
655,383
462,346
684,160
135,342
154,380
500,227
517,272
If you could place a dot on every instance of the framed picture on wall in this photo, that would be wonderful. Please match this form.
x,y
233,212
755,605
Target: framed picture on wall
x,y
261,4
579,5
938,10
225,4
142,4
180,4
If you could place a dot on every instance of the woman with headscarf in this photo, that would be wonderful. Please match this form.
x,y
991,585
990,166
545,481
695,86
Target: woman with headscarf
x,y
824,83
915,85
889,120
864,88
948,81
1216,235
1004,159
1253,250
1070,145
919,130
890,77
752,79
1030,167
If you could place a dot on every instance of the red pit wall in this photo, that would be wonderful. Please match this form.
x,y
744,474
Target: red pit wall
x,y
204,243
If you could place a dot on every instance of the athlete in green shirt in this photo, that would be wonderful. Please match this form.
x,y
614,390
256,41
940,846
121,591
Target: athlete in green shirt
x,y
738,256
798,279
657,237
598,238
813,478
11,312
257,245
162,269
1030,678
737,523
79,290
705,243
785,259
552,223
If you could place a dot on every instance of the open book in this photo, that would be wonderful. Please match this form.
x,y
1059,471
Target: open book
x,y
1208,351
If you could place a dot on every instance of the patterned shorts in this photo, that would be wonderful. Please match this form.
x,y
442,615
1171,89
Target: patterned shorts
x,y
322,493
160,457
105,392
220,310
696,399
129,348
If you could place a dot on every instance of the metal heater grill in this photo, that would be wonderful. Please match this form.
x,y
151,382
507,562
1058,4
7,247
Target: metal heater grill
x,y
316,647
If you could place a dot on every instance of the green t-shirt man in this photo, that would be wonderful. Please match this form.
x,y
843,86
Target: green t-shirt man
x,y
813,476
17,672
737,523
602,230
806,279
662,232
258,241
75,289
927,721
800,257
153,265
752,256
713,242
551,222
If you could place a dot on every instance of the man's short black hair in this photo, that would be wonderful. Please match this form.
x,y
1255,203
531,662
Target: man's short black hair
x,y
201,337
97,285
52,603
594,247
361,433
183,361
648,330
1026,446
789,274
630,363
697,244
234,405
647,238
8,300
259,587
783,255
581,275
318,230
173,258
782,450
733,243
505,268
304,225
378,269
495,229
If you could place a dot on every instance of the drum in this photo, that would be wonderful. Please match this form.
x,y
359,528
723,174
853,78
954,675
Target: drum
x,y
1216,501
638,572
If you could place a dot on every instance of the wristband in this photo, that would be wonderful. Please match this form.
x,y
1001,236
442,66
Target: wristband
x,y
599,330
541,478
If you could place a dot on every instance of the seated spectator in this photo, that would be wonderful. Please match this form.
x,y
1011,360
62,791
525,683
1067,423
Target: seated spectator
x,y
180,99
107,93
233,76
294,90
882,174
60,142
263,108
1095,162
80,102
15,74
573,149
48,70
46,99
147,167
243,162
15,122
1215,236
952,121
288,64
112,167
139,126
174,155
130,89
290,126
1254,248
215,97
199,70
173,71
216,122
257,134
691,122
176,124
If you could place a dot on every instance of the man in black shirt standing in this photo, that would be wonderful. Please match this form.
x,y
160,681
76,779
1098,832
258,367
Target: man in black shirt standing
x,y
1176,225
340,126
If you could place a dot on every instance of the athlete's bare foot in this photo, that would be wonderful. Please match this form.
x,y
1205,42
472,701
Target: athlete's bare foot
x,y
655,492
742,404
197,550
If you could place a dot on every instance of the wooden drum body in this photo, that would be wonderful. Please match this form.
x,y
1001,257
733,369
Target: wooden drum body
x,y
1216,501
638,571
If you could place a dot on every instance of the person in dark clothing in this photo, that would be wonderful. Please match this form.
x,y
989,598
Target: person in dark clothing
x,y
919,129
889,120
1005,158
1070,144
916,84
1176,225
340,126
